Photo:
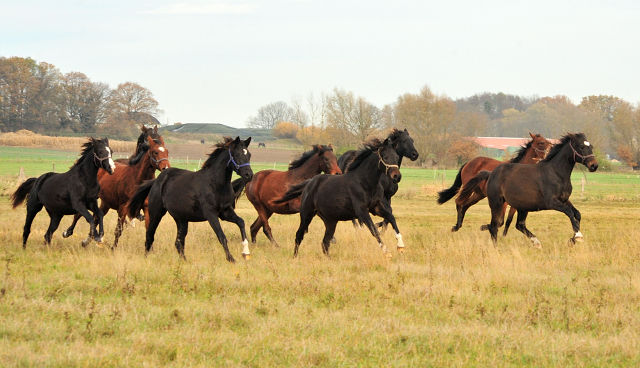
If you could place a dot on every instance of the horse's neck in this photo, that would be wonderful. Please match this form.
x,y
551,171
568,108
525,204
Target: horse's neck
x,y
143,169
90,170
563,162
368,171
400,160
307,170
219,172
530,157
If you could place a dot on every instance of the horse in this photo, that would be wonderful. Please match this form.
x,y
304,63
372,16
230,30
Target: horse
x,y
75,191
531,153
261,144
545,186
142,144
403,144
351,195
268,185
117,189
204,195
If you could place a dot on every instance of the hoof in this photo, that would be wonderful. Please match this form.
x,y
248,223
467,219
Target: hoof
x,y
536,243
333,240
99,244
579,240
400,249
246,257
484,227
388,255
454,229
66,234
578,237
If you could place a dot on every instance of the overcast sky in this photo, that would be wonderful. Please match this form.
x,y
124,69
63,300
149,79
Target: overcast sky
x,y
220,60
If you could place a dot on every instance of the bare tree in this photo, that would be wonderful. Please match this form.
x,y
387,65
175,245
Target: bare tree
x,y
270,115
298,115
132,98
83,102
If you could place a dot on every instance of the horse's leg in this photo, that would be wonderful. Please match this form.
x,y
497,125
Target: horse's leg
x,y
387,213
363,215
67,233
522,227
255,228
464,206
183,229
81,209
266,228
573,214
155,215
497,217
307,213
122,218
212,217
98,216
231,216
330,229
53,225
512,211
33,207
384,223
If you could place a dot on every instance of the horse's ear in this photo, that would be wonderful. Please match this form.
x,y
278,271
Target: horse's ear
x,y
106,141
405,130
247,141
155,129
237,140
533,136
151,141
386,142
330,146
161,140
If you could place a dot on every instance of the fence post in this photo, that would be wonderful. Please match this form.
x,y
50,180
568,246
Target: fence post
x,y
582,191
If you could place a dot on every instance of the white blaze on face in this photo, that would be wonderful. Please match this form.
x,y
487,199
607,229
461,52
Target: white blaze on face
x,y
112,164
587,143
244,151
161,149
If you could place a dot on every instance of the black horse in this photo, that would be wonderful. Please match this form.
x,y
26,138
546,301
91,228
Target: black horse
x,y
75,191
352,195
545,186
205,195
261,144
403,144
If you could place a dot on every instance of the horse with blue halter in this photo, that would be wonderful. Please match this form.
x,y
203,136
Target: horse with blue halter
x,y
70,193
351,195
204,195
530,188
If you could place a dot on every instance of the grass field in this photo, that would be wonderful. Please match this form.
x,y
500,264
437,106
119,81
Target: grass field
x,y
449,300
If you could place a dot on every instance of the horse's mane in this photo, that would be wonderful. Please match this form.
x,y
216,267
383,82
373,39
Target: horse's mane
x,y
395,134
142,146
563,142
521,152
317,149
369,148
220,147
87,148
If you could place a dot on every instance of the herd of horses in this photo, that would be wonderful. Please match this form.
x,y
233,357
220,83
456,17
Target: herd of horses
x,y
351,188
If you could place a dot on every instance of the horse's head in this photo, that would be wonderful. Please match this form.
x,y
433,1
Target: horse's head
x,y
541,146
328,160
239,158
403,144
102,155
583,151
388,161
158,154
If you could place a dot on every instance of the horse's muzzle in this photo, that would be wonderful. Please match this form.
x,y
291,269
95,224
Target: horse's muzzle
x,y
395,176
592,165
414,155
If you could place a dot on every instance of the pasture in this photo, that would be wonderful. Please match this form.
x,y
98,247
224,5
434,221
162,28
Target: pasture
x,y
449,300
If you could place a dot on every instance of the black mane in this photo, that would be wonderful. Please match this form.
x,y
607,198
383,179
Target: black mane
x,y
87,147
521,152
395,134
370,147
317,149
220,148
558,147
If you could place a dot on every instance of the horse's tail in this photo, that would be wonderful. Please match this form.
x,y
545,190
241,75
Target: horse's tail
x,y
137,201
447,194
473,185
22,192
238,187
293,192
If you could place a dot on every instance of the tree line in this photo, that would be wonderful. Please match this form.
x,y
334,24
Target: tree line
x,y
36,96
442,126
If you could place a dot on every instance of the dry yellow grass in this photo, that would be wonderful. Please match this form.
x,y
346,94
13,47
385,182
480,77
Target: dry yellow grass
x,y
25,138
450,300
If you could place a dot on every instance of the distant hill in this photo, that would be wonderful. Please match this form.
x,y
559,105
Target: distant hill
x,y
258,135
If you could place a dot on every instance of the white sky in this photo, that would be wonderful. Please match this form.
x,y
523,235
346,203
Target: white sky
x,y
220,60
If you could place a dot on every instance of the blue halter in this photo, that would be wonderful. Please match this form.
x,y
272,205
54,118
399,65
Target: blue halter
x,y
236,166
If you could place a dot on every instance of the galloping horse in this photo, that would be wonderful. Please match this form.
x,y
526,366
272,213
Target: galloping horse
x,y
268,185
204,195
351,195
117,189
75,191
535,150
545,186
403,144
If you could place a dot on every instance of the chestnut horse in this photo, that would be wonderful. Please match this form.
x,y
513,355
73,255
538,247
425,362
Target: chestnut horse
x,y
117,189
269,185
535,150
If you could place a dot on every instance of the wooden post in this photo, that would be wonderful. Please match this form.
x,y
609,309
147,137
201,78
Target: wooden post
x,y
54,168
21,176
582,191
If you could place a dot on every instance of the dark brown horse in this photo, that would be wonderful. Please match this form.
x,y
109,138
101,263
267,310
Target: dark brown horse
x,y
534,151
546,186
117,189
269,185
